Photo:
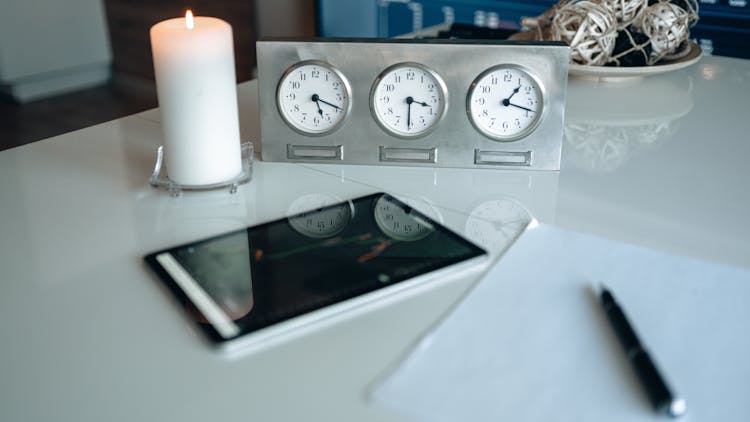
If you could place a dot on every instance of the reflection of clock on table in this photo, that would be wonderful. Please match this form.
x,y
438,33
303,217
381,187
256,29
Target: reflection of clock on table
x,y
494,224
437,103
400,223
320,216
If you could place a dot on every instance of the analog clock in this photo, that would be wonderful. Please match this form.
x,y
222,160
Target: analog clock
x,y
328,216
313,98
496,223
408,100
399,222
505,102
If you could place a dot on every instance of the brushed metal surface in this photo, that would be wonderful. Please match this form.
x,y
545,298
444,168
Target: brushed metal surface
x,y
455,141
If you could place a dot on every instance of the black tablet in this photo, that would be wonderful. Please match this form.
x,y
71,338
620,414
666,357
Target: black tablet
x,y
246,287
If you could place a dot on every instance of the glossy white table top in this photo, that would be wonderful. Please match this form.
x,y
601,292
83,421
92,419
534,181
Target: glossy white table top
x,y
90,335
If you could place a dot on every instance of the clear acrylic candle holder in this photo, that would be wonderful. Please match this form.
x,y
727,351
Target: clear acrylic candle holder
x,y
160,177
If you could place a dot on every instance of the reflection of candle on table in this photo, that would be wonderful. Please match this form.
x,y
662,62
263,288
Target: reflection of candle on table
x,y
195,79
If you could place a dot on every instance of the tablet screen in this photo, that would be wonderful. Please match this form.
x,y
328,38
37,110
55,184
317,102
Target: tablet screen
x,y
246,280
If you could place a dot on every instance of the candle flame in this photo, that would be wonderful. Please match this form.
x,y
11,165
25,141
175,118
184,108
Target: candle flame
x,y
189,22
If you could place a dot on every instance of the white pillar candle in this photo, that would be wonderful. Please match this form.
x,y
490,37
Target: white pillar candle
x,y
196,86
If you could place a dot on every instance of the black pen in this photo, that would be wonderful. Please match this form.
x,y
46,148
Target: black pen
x,y
656,387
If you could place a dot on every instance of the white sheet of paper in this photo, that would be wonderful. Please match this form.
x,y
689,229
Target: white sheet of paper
x,y
530,342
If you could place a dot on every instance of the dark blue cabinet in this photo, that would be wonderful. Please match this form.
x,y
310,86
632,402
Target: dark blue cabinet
x,y
723,29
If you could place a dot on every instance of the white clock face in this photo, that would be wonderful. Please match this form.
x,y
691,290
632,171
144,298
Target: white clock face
x,y
397,223
505,103
313,98
408,100
327,218
496,223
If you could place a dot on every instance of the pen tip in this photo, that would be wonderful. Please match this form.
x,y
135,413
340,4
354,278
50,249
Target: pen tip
x,y
596,288
604,294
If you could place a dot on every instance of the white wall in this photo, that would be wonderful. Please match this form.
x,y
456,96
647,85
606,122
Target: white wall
x,y
51,46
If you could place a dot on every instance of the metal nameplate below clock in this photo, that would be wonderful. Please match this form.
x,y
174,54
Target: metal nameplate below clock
x,y
413,102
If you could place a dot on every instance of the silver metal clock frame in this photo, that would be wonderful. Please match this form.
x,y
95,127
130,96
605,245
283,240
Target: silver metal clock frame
x,y
454,142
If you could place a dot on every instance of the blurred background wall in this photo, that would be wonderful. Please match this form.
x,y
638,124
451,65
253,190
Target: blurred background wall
x,y
69,64
49,47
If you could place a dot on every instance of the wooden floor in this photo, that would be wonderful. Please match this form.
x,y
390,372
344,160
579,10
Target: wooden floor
x,y
24,123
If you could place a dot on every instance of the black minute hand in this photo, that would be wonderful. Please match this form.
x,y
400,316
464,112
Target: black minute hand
x,y
409,101
329,104
521,107
316,99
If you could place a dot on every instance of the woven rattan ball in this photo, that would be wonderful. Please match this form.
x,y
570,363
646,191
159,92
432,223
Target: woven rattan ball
x,y
666,24
690,6
590,28
627,11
